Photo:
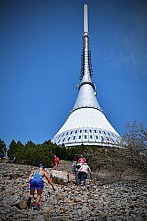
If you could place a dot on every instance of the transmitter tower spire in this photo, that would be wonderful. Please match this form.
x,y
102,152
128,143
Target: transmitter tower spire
x,y
85,18
87,123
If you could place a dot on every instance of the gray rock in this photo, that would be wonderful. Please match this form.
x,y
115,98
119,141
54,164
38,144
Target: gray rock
x,y
59,177
40,218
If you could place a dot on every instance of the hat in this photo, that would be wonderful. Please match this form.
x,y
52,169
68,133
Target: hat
x,y
41,166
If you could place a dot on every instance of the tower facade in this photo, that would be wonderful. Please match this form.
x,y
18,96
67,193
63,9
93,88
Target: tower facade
x,y
87,123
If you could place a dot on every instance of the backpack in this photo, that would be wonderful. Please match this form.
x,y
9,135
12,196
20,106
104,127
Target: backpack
x,y
78,166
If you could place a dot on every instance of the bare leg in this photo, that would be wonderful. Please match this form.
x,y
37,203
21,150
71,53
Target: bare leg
x,y
30,198
39,192
32,193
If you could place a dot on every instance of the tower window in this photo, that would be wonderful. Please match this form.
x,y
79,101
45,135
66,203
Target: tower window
x,y
85,137
85,131
102,138
100,131
71,132
80,131
94,131
80,137
76,131
74,137
90,136
67,133
90,131
68,138
96,137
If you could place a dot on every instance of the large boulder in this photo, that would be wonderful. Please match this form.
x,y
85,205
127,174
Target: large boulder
x,y
59,177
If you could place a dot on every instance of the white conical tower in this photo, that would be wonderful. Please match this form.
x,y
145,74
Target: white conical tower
x,y
87,123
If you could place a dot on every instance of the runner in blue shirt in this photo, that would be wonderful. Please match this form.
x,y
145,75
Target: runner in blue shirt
x,y
36,182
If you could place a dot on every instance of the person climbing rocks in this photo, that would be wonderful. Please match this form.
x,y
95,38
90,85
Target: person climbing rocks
x,y
75,168
83,172
36,182
55,161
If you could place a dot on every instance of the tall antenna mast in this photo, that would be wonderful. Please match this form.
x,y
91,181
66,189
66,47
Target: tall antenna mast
x,y
85,18
86,64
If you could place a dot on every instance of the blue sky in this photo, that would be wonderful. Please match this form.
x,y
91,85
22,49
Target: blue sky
x,y
40,56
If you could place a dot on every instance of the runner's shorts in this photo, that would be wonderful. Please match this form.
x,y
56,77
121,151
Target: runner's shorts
x,y
36,183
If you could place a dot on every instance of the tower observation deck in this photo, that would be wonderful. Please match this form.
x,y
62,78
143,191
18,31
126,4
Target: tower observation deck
x,y
87,123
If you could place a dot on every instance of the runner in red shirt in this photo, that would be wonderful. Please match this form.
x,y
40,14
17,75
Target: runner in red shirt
x,y
55,161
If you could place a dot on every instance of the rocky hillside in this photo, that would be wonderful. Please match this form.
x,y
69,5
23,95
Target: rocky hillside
x,y
125,200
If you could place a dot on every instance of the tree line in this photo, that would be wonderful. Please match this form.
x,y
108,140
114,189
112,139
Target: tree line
x,y
134,155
